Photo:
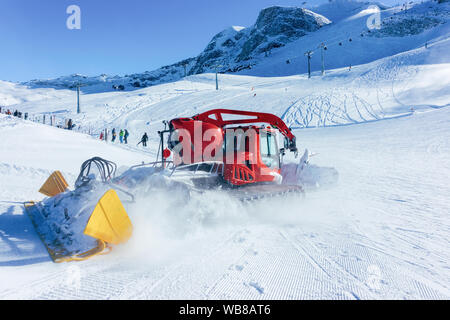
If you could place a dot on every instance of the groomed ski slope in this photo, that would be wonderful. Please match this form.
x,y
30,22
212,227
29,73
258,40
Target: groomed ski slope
x,y
381,232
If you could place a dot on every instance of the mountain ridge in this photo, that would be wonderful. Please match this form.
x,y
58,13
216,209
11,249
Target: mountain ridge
x,y
285,32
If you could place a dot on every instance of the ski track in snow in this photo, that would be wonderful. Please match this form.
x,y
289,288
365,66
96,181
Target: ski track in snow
x,y
381,233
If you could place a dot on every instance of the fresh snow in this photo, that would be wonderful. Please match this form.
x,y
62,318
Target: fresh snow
x,y
381,231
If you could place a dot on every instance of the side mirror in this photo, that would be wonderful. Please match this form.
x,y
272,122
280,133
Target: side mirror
x,y
290,144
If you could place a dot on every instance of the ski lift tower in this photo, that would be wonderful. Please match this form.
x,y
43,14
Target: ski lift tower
x,y
217,80
309,53
79,85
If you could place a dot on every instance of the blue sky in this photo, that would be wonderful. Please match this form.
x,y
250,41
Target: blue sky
x,y
116,36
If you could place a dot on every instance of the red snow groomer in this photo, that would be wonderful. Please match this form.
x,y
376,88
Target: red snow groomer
x,y
231,148
220,149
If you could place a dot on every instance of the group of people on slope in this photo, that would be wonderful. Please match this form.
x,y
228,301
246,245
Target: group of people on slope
x,y
16,113
123,136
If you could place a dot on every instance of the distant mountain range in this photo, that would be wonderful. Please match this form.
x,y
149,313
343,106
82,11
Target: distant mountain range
x,y
279,35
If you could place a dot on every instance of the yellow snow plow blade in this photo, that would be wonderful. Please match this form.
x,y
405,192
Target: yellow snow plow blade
x,y
56,248
109,220
54,185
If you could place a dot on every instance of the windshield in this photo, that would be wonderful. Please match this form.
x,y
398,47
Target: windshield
x,y
269,150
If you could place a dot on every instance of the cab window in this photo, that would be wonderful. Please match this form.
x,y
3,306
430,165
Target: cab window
x,y
269,150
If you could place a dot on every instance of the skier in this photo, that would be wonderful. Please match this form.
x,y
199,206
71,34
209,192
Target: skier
x,y
113,132
101,135
144,140
125,136
121,136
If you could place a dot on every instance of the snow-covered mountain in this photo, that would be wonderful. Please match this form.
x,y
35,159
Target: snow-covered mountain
x,y
275,44
234,48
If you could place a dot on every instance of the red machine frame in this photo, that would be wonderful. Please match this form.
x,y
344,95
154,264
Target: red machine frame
x,y
237,173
